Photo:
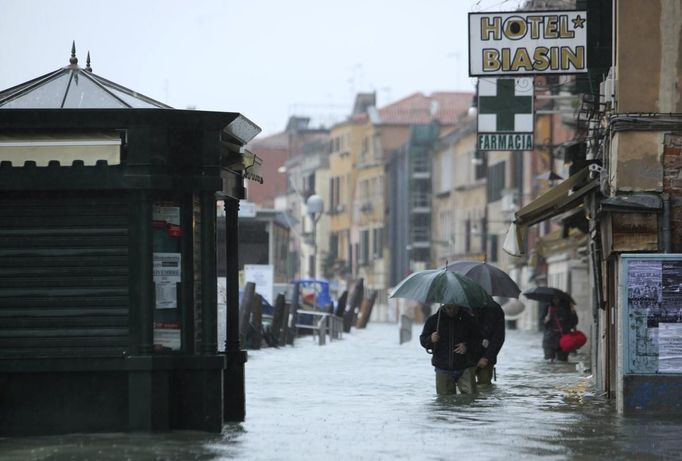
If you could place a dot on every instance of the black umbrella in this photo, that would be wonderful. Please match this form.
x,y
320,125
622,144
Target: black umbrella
x,y
494,280
445,287
546,294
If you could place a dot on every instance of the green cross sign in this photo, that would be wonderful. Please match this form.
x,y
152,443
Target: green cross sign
x,y
505,105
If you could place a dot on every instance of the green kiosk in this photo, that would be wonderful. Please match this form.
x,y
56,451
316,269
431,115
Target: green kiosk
x,y
108,289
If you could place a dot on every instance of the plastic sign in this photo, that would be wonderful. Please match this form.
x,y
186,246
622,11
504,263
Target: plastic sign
x,y
505,113
527,42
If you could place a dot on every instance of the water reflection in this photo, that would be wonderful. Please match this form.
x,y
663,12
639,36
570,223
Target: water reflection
x,y
367,397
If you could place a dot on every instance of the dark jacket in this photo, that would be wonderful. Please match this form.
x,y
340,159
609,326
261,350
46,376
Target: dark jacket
x,y
492,326
561,320
461,328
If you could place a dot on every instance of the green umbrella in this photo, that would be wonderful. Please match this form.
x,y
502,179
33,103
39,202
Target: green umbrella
x,y
445,287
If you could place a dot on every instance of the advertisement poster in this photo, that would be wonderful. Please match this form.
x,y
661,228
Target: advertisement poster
x,y
654,297
166,272
222,312
670,347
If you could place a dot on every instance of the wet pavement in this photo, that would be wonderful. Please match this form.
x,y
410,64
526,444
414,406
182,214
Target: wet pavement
x,y
367,397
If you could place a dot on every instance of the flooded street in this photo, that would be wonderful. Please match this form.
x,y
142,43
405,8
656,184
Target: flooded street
x,y
367,397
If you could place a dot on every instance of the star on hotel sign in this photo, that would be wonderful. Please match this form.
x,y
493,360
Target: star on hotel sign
x,y
578,22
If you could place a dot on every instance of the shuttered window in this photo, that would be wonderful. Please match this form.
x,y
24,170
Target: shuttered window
x,y
63,274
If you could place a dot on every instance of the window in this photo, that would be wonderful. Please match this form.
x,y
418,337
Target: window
x,y
445,227
335,195
309,185
493,248
334,245
364,247
480,164
445,173
496,181
311,266
467,236
378,242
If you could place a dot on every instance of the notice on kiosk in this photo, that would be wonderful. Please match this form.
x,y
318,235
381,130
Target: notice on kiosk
x,y
166,268
166,277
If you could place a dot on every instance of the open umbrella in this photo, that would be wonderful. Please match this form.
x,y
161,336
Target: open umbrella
x,y
494,280
443,286
545,294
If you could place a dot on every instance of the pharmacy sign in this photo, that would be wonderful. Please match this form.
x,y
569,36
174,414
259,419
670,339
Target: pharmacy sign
x,y
505,113
527,42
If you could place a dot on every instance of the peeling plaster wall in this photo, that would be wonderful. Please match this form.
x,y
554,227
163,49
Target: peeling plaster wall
x,y
638,58
636,162
649,59
669,99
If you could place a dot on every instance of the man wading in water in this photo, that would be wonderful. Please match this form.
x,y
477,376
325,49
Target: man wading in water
x,y
451,335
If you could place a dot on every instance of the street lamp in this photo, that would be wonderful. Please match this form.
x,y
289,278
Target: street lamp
x,y
315,208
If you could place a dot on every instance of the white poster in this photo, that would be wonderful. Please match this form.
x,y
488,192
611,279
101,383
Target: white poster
x,y
263,276
670,347
167,267
167,273
166,295
222,312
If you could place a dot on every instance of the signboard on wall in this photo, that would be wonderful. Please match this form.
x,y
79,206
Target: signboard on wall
x,y
505,113
527,42
651,320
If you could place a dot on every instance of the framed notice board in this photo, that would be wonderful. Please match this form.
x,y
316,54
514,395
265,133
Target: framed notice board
x,y
651,317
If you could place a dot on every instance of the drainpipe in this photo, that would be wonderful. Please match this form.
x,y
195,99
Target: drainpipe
x,y
665,228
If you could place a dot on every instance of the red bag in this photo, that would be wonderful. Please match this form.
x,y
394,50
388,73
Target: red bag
x,y
573,340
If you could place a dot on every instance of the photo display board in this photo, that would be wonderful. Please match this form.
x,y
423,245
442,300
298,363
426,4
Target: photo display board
x,y
652,314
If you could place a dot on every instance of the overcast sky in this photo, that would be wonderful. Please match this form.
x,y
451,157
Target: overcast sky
x,y
268,59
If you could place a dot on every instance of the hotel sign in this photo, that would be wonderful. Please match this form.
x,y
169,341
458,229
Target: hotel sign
x,y
527,42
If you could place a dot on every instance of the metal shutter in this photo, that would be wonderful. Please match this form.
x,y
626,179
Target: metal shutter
x,y
63,274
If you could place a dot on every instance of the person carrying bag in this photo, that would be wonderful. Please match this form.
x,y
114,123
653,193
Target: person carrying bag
x,y
560,320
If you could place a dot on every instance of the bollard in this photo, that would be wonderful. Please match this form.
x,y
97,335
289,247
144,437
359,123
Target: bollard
x,y
405,329
322,330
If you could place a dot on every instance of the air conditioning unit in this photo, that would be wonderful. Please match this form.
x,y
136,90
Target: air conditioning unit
x,y
607,89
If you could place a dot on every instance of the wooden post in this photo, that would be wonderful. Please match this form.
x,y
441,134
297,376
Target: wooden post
x,y
405,328
278,319
341,304
354,304
366,309
256,321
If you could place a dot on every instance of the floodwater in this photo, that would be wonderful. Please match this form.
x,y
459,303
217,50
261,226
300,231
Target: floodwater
x,y
367,397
